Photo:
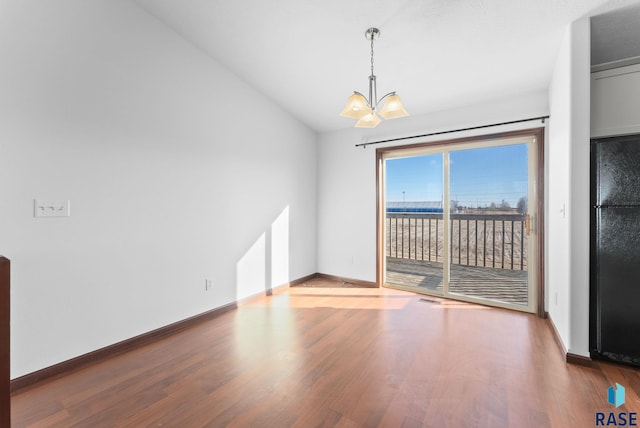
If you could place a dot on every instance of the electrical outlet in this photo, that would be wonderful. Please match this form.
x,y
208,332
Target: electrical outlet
x,y
208,284
51,208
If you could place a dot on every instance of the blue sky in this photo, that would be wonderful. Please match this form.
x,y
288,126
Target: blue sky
x,y
478,176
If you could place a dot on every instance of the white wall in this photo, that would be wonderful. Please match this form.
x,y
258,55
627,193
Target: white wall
x,y
580,185
176,170
559,197
569,187
347,176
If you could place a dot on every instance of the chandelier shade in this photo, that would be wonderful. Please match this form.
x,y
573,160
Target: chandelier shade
x,y
357,107
364,109
393,108
371,120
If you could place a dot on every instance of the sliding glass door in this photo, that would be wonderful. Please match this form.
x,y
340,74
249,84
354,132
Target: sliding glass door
x,y
458,220
415,228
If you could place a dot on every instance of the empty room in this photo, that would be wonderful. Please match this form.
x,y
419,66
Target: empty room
x,y
419,213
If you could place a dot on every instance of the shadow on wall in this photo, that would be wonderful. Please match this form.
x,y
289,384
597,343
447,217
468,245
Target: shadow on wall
x,y
266,264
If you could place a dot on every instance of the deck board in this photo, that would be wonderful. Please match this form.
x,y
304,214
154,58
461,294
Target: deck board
x,y
502,285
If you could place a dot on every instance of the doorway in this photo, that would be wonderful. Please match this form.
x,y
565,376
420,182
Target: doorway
x,y
460,219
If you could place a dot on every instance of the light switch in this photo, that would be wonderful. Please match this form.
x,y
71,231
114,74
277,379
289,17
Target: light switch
x,y
51,208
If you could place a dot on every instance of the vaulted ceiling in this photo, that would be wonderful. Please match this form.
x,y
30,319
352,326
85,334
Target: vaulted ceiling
x,y
309,56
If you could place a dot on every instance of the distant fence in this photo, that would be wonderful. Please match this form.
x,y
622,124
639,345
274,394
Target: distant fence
x,y
414,210
489,240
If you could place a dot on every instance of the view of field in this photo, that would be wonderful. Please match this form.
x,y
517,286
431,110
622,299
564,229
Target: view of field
x,y
492,240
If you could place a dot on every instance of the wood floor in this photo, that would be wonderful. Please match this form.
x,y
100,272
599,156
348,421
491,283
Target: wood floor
x,y
338,357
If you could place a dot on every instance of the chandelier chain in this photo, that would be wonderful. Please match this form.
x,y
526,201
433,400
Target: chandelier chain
x,y
372,37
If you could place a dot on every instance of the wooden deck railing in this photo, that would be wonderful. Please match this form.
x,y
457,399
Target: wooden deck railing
x,y
489,240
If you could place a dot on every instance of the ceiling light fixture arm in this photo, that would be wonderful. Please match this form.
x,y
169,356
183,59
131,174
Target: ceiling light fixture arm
x,y
363,96
385,96
372,96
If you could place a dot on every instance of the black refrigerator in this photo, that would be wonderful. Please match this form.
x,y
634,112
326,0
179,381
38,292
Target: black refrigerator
x,y
615,249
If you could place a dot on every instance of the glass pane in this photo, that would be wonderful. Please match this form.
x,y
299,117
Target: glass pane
x,y
488,197
414,228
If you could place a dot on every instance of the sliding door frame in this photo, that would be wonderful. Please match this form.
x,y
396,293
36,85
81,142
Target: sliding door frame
x,y
537,133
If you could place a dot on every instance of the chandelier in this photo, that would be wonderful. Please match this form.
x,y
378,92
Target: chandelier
x,y
364,109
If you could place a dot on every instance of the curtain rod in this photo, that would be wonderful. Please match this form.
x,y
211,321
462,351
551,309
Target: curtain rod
x,y
364,145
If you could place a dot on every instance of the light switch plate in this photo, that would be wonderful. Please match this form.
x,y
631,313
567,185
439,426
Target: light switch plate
x,y
51,208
